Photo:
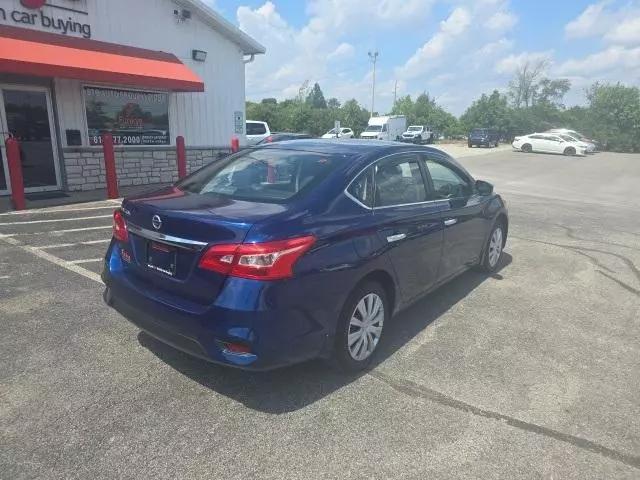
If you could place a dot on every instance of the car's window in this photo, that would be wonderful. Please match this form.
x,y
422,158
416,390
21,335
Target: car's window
x,y
373,128
447,183
362,188
333,131
268,175
537,137
399,181
345,130
256,128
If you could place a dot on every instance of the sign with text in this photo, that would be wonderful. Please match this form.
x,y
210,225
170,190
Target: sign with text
x,y
68,19
132,117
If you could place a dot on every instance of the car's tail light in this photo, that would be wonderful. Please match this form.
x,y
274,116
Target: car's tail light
x,y
269,139
261,261
120,227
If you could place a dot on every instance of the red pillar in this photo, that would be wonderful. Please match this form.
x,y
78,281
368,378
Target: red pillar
x,y
15,173
110,165
181,152
235,144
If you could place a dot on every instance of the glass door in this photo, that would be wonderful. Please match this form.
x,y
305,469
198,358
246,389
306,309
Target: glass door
x,y
27,116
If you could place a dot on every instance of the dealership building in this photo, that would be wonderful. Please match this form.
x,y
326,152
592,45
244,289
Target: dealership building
x,y
146,71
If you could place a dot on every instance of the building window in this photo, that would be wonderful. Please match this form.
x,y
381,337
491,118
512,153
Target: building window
x,y
133,117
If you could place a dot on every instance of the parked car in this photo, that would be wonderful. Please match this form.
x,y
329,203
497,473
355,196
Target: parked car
x,y
281,137
592,145
589,147
486,137
418,134
256,131
548,143
385,128
339,133
297,250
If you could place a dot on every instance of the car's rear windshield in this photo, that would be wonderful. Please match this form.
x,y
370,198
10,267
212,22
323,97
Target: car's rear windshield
x,y
415,129
479,131
270,175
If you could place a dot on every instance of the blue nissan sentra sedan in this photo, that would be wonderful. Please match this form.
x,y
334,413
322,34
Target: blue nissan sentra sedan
x,y
299,249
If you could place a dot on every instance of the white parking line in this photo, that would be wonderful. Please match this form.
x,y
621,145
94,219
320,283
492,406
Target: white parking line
x,y
5,277
86,260
54,232
53,259
75,207
60,210
77,219
63,245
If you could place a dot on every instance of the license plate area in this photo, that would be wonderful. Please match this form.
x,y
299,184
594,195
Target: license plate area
x,y
161,258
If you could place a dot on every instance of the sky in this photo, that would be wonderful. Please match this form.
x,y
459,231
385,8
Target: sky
x,y
453,49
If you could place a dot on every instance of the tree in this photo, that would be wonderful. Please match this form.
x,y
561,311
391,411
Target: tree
x,y
489,111
315,98
333,103
271,101
552,91
523,86
614,112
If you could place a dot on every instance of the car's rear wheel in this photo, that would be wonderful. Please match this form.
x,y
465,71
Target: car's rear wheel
x,y
526,148
569,151
493,249
497,144
360,326
470,145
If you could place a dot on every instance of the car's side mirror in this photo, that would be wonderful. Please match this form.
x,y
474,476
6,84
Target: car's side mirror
x,y
484,188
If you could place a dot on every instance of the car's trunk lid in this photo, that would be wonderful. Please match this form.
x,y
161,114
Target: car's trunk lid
x,y
170,230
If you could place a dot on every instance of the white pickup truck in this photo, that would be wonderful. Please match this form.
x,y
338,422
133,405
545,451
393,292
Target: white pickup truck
x,y
418,134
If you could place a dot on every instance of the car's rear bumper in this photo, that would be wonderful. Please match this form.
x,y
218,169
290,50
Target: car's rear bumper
x,y
275,336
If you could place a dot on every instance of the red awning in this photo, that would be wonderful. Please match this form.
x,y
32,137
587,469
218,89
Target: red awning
x,y
30,52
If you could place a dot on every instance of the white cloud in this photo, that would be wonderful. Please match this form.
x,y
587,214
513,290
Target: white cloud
x,y
511,63
592,21
423,59
502,21
625,33
342,51
612,59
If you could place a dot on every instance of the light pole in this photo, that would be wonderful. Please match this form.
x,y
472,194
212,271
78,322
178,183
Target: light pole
x,y
373,56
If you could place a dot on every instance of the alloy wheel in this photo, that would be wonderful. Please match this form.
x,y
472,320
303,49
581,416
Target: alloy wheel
x,y
365,327
495,247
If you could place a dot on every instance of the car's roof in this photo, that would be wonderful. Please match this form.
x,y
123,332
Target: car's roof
x,y
348,147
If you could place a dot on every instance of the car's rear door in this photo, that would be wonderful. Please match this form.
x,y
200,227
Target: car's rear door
x,y
408,223
465,226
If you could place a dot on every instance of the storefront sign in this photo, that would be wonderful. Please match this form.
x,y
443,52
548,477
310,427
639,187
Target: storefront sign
x,y
133,117
28,18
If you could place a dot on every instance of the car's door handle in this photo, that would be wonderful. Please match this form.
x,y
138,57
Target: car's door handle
x,y
396,238
450,221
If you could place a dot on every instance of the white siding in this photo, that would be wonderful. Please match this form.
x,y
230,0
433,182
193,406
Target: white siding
x,y
205,119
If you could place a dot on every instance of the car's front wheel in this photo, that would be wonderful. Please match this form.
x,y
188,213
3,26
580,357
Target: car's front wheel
x,y
493,249
569,151
360,326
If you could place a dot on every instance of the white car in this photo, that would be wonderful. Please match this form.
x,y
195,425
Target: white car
x,y
588,146
418,134
548,143
256,131
577,137
342,133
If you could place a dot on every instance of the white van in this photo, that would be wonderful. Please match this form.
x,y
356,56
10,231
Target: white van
x,y
256,131
385,128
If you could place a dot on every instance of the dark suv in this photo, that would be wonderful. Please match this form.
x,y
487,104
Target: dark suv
x,y
483,137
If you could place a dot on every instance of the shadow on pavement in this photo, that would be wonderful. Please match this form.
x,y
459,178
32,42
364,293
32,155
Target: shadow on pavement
x,y
289,389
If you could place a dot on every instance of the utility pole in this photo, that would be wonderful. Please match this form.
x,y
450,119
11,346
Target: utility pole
x,y
395,93
374,58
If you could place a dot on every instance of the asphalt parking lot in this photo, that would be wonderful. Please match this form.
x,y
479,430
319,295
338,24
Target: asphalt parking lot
x,y
533,372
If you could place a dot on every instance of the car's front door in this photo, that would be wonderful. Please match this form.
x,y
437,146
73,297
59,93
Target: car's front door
x,y
465,226
408,223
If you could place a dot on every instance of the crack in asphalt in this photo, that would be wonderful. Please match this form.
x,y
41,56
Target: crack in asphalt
x,y
572,235
581,251
415,390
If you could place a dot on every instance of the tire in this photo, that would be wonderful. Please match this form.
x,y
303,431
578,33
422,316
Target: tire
x,y
358,355
570,151
526,148
493,249
497,144
470,145
418,140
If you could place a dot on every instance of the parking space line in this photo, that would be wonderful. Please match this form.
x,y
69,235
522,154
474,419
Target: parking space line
x,y
5,277
73,207
58,210
53,259
70,230
76,219
86,260
64,245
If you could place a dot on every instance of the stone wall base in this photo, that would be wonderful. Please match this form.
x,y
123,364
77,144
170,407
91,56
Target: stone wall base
x,y
83,167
